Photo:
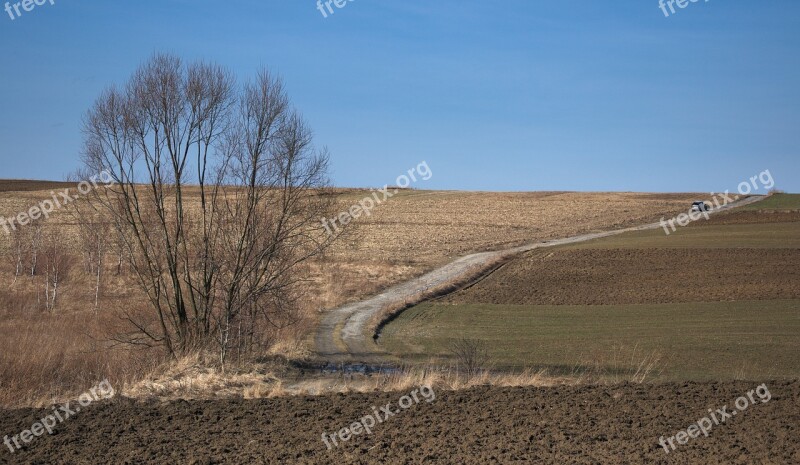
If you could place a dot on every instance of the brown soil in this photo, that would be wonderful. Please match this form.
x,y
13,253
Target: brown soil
x,y
640,276
24,185
576,425
751,217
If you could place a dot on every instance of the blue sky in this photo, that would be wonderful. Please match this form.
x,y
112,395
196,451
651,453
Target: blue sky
x,y
512,95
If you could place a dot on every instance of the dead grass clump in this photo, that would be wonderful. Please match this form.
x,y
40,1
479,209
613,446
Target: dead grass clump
x,y
199,376
449,379
622,364
292,346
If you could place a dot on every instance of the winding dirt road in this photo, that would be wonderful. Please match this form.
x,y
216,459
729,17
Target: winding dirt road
x,y
345,334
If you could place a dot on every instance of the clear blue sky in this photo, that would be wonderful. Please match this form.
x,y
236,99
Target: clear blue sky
x,y
503,95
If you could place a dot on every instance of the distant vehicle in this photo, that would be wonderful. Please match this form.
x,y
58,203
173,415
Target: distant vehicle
x,y
700,207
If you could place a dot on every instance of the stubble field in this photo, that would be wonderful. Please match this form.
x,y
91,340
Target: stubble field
x,y
522,307
405,236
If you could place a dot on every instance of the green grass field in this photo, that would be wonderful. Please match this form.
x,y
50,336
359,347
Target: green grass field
x,y
776,202
696,341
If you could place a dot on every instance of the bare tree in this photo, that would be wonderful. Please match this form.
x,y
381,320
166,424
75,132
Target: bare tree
x,y
471,355
17,252
214,196
35,242
24,250
55,262
120,251
96,236
78,175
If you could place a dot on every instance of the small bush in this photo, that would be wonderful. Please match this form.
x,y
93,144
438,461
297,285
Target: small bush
x,y
471,355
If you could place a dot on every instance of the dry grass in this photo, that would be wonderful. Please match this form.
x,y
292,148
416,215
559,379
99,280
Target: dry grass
x,y
49,355
191,378
624,364
428,228
44,358
336,282
415,231
54,355
198,376
449,379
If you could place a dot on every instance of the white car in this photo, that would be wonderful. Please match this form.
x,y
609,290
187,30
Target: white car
x,y
700,207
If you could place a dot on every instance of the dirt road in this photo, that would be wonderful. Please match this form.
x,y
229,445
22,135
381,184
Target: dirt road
x,y
345,333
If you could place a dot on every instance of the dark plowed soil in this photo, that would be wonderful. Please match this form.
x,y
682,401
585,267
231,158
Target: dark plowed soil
x,y
750,217
18,185
640,276
575,425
